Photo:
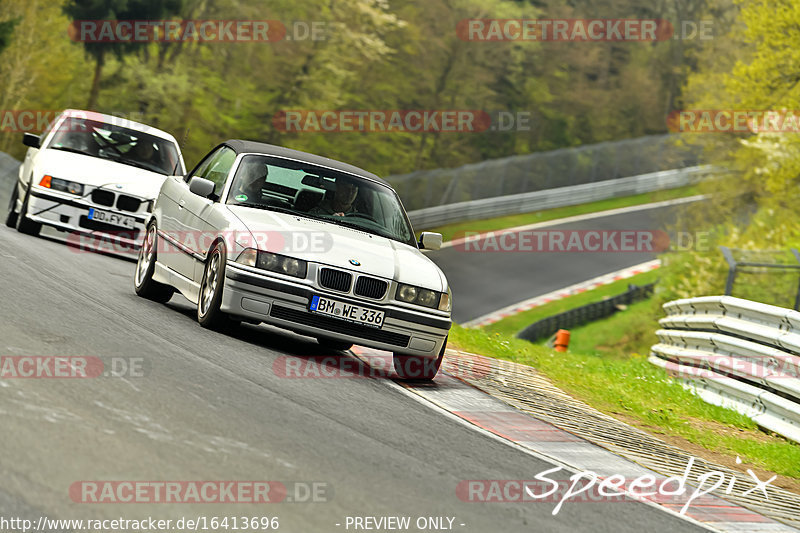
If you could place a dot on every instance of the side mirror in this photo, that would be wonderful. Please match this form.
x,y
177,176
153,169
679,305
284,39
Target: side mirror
x,y
201,186
29,139
430,241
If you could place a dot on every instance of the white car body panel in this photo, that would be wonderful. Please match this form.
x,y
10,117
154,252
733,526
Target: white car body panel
x,y
190,225
64,211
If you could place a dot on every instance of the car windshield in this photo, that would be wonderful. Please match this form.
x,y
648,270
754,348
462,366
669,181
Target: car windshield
x,y
264,182
117,143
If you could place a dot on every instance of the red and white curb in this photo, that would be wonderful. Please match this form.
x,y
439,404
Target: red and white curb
x,y
560,294
545,441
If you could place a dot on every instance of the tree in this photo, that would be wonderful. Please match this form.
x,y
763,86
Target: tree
x,y
81,10
6,31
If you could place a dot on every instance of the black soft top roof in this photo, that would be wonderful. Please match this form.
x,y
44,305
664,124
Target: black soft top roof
x,y
253,147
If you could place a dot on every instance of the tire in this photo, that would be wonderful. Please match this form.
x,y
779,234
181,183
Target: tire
x,y
143,282
25,225
331,344
209,300
11,218
417,368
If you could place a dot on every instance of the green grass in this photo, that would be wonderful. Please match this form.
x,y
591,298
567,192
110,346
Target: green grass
x,y
632,331
451,231
516,323
628,385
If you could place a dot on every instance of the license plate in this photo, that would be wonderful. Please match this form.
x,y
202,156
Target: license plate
x,y
344,311
111,218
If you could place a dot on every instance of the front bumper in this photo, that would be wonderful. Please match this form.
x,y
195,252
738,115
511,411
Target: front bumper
x,y
71,214
285,304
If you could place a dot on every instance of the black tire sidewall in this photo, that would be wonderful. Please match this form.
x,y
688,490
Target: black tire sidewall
x,y
11,217
430,368
24,225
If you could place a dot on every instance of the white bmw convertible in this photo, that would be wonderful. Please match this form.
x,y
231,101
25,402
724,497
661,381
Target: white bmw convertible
x,y
92,174
261,233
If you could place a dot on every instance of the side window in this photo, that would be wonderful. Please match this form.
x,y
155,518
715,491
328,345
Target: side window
x,y
216,167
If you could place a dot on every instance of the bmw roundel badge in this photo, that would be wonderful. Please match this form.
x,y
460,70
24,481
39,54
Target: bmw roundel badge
x,y
354,262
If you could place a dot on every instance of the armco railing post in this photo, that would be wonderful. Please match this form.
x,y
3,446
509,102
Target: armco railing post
x,y
728,255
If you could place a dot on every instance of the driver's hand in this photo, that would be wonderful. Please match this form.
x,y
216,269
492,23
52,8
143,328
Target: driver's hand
x,y
340,214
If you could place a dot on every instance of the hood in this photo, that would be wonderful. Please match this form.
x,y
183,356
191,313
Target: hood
x,y
96,172
378,256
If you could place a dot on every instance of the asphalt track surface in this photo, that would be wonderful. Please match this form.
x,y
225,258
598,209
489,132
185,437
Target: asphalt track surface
x,y
485,281
211,406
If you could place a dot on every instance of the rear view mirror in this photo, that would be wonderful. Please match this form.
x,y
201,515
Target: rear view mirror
x,y
313,181
29,139
201,186
430,241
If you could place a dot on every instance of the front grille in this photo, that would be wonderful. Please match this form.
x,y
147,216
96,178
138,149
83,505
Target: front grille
x,y
128,203
86,223
371,287
102,197
339,326
335,279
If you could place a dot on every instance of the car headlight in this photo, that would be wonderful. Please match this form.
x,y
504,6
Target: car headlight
x,y
62,185
418,296
273,262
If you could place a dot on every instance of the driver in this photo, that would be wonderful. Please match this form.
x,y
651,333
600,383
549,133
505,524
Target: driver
x,y
144,151
250,180
342,201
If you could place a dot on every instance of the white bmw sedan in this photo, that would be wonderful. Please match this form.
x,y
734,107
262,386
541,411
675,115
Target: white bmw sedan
x,y
93,174
261,233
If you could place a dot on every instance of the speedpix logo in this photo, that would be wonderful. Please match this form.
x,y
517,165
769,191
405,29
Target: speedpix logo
x,y
587,486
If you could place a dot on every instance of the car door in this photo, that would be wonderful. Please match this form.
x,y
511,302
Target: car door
x,y
172,219
195,211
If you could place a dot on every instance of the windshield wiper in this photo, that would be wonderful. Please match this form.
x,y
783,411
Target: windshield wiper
x,y
71,150
137,164
277,209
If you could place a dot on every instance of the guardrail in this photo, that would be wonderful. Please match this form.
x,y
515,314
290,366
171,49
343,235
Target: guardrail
x,y
585,313
738,354
538,171
558,197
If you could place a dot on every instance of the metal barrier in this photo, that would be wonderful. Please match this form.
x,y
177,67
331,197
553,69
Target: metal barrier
x,y
736,265
546,170
585,313
738,354
548,199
